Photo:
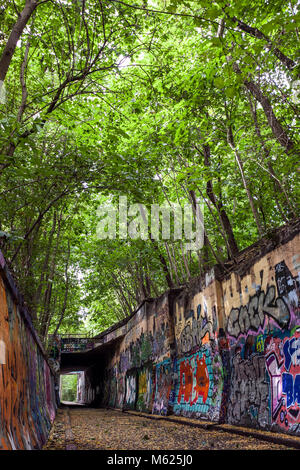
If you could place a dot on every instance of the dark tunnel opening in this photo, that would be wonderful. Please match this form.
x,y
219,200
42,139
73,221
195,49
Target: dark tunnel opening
x,y
89,368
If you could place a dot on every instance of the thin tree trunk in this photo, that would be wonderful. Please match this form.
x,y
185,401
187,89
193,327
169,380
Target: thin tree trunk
x,y
126,310
67,281
172,264
23,83
47,295
38,220
245,182
117,286
163,263
256,33
277,129
277,185
188,274
225,222
208,244
133,292
52,310
14,37
152,283
159,254
37,295
148,284
140,275
180,264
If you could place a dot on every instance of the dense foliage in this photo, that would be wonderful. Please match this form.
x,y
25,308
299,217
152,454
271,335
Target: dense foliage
x,y
69,387
171,101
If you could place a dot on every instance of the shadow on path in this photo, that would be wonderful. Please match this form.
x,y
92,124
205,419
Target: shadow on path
x,y
78,427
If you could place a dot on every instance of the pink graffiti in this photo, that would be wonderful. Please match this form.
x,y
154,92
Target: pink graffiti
x,y
274,371
283,366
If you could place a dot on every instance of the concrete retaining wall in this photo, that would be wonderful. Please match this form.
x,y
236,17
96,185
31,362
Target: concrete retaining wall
x,y
225,349
27,395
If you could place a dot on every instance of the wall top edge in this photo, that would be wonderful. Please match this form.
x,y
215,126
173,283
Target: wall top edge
x,y
240,265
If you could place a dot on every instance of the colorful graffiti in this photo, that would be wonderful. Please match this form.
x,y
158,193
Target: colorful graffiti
x,y
288,287
76,344
248,400
27,395
226,350
143,349
261,308
145,389
264,344
131,390
163,387
199,385
283,367
195,330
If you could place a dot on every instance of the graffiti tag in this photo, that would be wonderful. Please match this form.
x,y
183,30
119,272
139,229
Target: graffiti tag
x,y
252,316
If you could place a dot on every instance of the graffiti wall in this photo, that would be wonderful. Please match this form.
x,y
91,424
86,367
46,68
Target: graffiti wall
x,y
226,348
27,395
73,344
262,312
198,366
164,383
130,370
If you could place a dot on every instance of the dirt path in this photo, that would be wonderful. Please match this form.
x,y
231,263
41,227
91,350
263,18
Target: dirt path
x,y
100,429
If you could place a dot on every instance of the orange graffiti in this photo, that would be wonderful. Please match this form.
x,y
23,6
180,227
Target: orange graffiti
x,y
186,381
187,375
202,381
26,410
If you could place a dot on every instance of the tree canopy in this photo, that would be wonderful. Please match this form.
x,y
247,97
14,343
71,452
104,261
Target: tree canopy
x,y
161,101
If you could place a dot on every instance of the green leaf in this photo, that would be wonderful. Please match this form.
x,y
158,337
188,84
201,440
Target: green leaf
x,y
219,82
230,92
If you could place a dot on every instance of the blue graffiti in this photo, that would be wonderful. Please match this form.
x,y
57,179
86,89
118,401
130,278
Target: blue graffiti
x,y
291,350
291,388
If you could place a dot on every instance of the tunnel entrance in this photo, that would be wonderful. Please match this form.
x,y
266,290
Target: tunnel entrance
x,y
70,388
84,374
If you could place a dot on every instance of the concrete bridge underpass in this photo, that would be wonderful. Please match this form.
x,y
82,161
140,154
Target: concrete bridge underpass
x,y
84,424
87,357
223,350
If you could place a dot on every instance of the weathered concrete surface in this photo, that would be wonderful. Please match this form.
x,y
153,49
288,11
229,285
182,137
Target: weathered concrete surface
x,y
27,395
99,429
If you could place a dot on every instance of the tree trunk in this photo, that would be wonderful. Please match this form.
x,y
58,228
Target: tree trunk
x,y
14,37
38,292
277,129
172,264
256,33
67,280
225,222
245,182
275,180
